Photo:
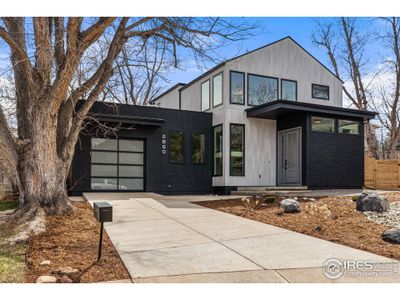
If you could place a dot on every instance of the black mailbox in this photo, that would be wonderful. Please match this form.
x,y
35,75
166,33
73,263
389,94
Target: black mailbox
x,y
103,212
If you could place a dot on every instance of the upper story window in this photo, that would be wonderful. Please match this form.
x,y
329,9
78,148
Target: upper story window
x,y
198,148
236,87
349,127
288,90
176,147
205,95
320,124
217,90
320,91
261,89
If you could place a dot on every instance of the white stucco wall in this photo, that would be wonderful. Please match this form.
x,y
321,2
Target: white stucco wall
x,y
170,99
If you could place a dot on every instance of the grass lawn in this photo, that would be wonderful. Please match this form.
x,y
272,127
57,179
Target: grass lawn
x,y
6,205
12,258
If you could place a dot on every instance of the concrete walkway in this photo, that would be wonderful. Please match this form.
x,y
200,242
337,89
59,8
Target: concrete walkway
x,y
169,239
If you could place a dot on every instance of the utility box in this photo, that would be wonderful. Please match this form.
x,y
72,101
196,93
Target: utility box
x,y
103,211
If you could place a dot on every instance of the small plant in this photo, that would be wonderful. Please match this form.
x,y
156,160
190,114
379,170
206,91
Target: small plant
x,y
252,202
354,198
269,199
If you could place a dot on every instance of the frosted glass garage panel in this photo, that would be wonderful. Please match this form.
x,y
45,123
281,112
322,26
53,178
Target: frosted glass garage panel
x,y
130,184
131,145
104,157
104,171
131,158
104,144
104,183
131,171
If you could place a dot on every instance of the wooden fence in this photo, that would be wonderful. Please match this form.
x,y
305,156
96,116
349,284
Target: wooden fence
x,y
382,174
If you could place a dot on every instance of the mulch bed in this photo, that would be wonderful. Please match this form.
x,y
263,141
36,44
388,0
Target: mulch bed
x,y
72,241
344,226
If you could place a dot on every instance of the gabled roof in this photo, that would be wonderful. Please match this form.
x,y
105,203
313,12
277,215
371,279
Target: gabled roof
x,y
167,91
262,47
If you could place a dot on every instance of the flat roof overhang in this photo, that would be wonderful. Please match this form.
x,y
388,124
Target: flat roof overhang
x,y
135,120
272,110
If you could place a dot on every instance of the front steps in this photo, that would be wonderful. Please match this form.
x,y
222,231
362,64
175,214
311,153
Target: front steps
x,y
270,190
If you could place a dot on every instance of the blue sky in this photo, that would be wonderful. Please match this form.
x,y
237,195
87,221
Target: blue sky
x,y
275,28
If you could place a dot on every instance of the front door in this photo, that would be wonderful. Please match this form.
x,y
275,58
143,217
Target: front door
x,y
289,157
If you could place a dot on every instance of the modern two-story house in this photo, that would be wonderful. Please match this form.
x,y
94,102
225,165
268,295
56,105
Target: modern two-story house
x,y
271,117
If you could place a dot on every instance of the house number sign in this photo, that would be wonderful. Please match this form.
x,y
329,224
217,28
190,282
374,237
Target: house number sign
x,y
164,144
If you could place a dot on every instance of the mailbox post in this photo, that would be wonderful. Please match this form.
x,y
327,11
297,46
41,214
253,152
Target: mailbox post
x,y
103,212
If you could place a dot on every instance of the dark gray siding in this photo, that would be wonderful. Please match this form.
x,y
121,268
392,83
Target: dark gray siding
x,y
161,176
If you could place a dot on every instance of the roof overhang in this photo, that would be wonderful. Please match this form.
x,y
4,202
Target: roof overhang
x,y
135,120
272,110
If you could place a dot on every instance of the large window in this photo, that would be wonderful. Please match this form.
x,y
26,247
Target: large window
x,y
320,124
198,148
117,164
236,87
176,147
218,152
349,127
288,89
320,91
205,95
217,90
261,89
237,150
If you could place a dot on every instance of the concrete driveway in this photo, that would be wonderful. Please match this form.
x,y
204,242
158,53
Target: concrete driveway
x,y
170,239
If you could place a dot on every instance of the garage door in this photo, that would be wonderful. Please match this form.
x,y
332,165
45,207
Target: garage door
x,y
117,164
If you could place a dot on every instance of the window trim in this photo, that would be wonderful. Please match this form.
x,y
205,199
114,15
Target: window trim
x,y
117,164
321,85
264,76
191,148
169,147
230,87
222,89
350,134
289,80
324,132
222,150
209,95
244,149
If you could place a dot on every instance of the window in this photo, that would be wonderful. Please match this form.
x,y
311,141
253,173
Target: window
x,y
349,127
205,95
322,124
320,91
198,148
217,90
218,152
236,87
288,90
261,89
176,152
237,150
117,164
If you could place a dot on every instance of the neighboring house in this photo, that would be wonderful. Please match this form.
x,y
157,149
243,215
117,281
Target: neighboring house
x,y
270,117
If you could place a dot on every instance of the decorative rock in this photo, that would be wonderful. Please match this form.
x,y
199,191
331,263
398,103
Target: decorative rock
x,y
391,236
65,279
290,205
72,273
372,202
46,279
45,263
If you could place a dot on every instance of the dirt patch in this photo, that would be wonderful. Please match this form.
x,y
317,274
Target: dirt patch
x,y
332,218
72,241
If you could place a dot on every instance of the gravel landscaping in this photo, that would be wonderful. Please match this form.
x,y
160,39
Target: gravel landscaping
x,y
331,218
